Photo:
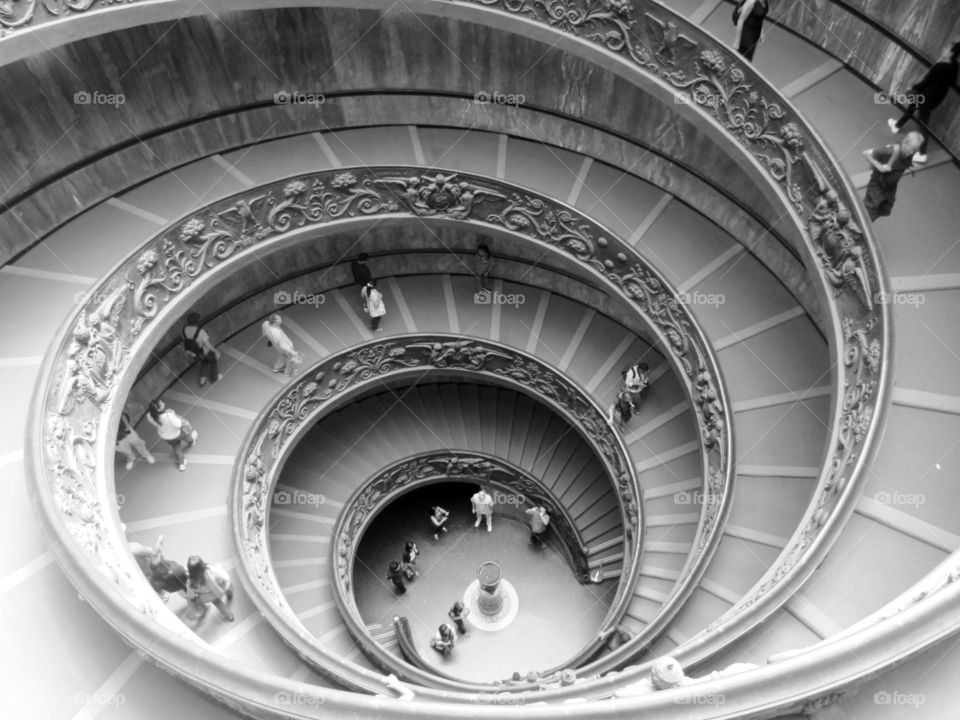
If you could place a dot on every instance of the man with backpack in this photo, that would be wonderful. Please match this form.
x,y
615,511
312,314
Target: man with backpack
x,y
198,346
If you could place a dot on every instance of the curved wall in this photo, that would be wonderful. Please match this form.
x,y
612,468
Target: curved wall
x,y
171,78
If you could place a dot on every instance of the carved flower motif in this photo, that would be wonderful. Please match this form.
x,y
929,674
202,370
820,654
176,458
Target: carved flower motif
x,y
147,261
191,229
343,180
712,61
620,7
349,366
578,247
873,355
273,429
790,134
397,352
294,189
309,389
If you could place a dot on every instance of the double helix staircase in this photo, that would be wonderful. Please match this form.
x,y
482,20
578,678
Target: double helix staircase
x,y
773,360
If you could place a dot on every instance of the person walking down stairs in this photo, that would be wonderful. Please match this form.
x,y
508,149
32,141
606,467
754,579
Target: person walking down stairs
x,y
361,273
438,520
287,356
130,444
174,429
373,305
198,346
927,93
208,584
409,564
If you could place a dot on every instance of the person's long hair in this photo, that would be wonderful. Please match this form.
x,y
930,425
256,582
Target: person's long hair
x,y
196,568
156,407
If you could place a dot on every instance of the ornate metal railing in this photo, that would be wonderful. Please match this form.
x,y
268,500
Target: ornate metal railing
x,y
705,77
330,384
427,468
100,349
89,366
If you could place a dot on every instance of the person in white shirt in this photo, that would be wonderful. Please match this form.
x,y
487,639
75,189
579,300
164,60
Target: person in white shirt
x,y
130,444
173,429
373,305
482,503
287,356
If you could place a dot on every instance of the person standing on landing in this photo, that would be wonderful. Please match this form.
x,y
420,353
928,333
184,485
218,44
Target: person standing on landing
x,y
928,93
395,575
539,522
373,305
458,613
409,564
287,356
889,164
438,520
482,503
484,265
748,16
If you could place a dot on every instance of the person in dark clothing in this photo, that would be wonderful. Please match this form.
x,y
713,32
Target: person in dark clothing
x,y
889,164
928,93
748,16
409,564
198,346
395,575
361,273
457,613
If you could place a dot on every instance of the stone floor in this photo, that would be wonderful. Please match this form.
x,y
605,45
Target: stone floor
x,y
557,615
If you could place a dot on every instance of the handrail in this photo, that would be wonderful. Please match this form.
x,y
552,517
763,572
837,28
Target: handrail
x,y
100,348
749,114
333,381
424,468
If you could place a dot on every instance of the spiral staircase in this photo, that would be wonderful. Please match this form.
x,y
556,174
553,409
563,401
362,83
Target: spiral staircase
x,y
851,632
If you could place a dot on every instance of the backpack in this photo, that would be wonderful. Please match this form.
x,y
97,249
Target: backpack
x,y
191,345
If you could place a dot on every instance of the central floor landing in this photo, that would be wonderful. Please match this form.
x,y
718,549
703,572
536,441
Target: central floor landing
x,y
557,615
